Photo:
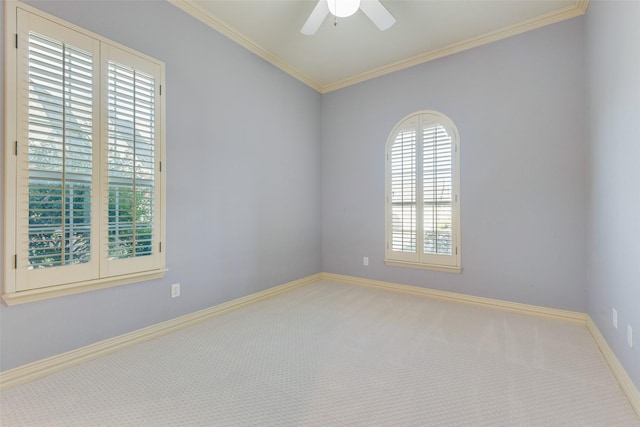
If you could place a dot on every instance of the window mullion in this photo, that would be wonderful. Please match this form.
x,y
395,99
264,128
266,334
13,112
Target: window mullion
x,y
134,202
63,195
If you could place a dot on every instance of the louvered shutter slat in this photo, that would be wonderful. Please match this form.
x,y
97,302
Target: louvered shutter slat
x,y
403,193
59,153
60,179
131,162
422,193
437,190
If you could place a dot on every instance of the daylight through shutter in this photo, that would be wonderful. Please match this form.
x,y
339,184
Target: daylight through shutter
x,y
83,193
403,192
131,160
60,127
437,190
422,190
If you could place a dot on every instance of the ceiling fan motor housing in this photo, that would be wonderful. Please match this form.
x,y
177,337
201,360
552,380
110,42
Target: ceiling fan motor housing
x,y
343,8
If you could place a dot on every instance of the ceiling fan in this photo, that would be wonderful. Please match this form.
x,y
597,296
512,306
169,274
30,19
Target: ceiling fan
x,y
343,8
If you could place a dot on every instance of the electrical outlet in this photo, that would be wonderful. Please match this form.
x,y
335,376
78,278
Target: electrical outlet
x,y
365,260
629,336
175,290
615,318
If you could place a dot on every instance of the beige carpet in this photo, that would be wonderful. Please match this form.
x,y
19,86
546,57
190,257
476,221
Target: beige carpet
x,y
337,354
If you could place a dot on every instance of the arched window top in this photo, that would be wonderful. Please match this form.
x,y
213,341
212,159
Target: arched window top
x,y
423,193
425,117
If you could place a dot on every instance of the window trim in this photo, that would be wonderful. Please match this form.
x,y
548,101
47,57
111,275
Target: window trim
x,y
420,260
10,294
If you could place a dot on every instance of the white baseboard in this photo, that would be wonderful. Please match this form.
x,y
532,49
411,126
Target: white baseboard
x,y
48,366
532,310
42,368
629,388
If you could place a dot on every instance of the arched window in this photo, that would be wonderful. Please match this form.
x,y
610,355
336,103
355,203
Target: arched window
x,y
423,193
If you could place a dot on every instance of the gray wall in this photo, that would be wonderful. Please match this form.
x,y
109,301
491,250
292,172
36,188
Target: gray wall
x,y
613,68
253,155
519,105
242,183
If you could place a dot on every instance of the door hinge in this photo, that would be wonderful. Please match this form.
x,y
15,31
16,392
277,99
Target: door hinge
x,y
160,246
160,166
456,250
160,90
15,261
16,40
16,153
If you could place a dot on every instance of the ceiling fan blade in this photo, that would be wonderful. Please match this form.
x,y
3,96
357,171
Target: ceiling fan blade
x,y
316,18
377,13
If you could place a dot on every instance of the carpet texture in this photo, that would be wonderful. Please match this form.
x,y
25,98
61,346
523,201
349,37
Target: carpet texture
x,y
337,354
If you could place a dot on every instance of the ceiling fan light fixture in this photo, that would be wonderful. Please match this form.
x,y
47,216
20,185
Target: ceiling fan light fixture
x,y
374,10
343,8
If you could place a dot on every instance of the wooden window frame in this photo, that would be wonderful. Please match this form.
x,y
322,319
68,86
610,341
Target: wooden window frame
x,y
107,271
416,123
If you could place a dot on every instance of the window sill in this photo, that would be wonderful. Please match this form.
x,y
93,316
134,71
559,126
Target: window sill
x,y
432,267
32,295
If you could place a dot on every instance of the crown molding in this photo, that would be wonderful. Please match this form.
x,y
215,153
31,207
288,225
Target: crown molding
x,y
581,5
578,8
212,21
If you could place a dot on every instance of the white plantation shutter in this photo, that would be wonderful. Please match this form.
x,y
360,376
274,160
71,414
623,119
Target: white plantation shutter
x,y
132,151
130,161
403,192
422,193
84,186
56,158
438,189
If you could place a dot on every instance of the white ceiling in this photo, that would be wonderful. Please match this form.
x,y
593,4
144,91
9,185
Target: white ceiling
x,y
355,50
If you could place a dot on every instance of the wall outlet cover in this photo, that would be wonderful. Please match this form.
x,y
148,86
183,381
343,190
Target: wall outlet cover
x,y
175,290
